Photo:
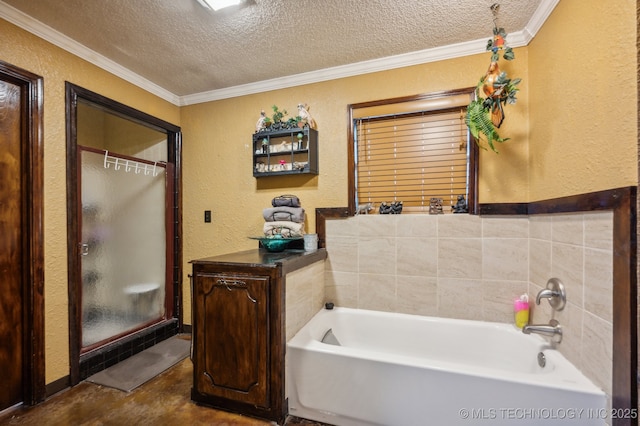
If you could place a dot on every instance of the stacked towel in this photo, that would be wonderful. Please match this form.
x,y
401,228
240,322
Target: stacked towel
x,y
285,228
286,217
291,214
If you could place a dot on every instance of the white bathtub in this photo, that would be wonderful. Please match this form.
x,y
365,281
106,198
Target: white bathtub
x,y
396,369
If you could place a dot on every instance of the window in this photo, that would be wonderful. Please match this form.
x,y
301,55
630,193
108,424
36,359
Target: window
x,y
412,150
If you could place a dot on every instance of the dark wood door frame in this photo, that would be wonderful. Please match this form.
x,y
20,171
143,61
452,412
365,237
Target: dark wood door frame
x,y
174,198
32,235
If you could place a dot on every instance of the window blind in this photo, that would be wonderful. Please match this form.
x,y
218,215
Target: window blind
x,y
412,158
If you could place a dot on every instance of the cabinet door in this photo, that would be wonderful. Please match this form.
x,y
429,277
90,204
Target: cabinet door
x,y
232,337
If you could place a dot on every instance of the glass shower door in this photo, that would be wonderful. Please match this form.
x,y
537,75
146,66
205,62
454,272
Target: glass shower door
x,y
123,246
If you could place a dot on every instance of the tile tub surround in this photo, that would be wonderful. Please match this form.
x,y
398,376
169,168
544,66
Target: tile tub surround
x,y
579,248
455,266
304,296
473,267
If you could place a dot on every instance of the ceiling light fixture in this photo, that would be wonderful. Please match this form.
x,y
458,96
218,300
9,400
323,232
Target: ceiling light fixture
x,y
219,4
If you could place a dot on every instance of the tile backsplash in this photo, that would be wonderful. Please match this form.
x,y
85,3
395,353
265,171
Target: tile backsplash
x,y
304,296
471,267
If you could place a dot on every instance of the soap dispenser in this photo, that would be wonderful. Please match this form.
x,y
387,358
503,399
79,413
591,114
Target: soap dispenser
x,y
521,310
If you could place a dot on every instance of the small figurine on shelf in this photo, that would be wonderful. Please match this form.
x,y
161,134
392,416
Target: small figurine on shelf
x,y
299,165
265,145
364,208
305,116
435,206
461,205
261,124
391,208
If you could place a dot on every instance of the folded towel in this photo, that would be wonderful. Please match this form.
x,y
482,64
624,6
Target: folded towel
x,y
291,214
286,200
284,227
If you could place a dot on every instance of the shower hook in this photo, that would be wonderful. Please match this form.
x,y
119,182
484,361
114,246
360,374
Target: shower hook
x,y
110,160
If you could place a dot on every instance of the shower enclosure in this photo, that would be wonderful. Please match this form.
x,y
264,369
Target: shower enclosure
x,y
124,208
123,244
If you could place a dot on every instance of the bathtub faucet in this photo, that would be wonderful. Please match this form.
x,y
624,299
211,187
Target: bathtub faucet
x,y
553,330
554,293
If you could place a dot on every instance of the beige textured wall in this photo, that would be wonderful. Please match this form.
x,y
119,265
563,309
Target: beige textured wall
x,y
562,142
217,154
27,51
583,99
99,129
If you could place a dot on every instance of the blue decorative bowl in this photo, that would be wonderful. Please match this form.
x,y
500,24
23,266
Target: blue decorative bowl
x,y
275,244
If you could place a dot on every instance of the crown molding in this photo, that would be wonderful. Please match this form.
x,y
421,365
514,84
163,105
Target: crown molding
x,y
343,71
441,53
539,17
516,39
35,27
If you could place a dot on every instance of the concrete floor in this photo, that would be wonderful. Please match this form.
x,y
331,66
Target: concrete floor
x,y
165,400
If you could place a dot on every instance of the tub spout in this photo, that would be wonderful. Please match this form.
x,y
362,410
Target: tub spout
x,y
553,330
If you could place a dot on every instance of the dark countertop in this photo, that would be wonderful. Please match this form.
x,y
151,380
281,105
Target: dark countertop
x,y
288,260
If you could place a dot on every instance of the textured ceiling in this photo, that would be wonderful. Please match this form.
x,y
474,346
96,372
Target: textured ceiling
x,y
186,49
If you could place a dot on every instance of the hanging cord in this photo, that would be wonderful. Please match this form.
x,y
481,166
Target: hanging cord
x,y
463,138
494,9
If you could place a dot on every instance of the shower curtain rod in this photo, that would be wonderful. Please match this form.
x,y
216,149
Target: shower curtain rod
x,y
130,165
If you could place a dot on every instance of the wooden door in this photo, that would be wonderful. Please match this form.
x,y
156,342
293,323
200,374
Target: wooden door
x,y
21,261
11,300
232,357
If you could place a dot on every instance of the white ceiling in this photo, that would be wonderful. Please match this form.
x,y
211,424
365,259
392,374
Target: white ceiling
x,y
188,54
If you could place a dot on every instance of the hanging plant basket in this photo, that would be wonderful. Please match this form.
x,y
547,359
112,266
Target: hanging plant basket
x,y
485,114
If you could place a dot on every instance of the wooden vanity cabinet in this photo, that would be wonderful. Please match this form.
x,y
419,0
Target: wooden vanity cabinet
x,y
238,330
233,361
237,340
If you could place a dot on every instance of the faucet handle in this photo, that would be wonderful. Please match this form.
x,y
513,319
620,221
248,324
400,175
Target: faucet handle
x,y
556,294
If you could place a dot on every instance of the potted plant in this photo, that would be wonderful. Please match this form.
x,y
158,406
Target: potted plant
x,y
486,114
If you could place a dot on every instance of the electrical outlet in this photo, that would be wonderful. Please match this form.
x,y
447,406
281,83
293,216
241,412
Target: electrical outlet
x,y
207,216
